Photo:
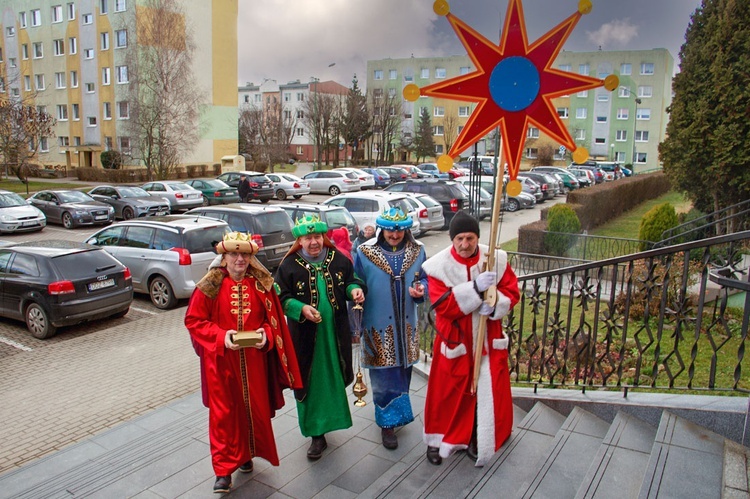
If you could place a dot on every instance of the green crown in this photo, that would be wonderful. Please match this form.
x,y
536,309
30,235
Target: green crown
x,y
310,224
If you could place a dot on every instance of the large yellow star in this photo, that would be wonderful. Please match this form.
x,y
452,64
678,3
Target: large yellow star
x,y
513,85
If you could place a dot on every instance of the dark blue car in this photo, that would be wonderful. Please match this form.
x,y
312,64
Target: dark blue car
x,y
382,179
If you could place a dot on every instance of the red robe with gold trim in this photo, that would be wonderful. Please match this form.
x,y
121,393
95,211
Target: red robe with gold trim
x,y
244,386
449,406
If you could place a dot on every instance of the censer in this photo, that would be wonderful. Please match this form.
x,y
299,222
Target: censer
x,y
360,388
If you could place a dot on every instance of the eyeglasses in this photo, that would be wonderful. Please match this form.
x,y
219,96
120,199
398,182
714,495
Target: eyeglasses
x,y
237,254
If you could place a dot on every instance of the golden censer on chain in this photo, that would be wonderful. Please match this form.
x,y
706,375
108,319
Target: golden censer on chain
x,y
360,388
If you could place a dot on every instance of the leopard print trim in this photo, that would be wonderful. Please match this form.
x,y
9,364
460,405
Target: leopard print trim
x,y
375,255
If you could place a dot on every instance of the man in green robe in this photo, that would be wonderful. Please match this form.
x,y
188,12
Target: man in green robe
x,y
315,280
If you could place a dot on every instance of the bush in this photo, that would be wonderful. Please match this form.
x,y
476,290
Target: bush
x,y
563,226
111,160
655,221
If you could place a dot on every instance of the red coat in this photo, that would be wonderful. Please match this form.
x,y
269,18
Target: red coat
x,y
450,407
244,387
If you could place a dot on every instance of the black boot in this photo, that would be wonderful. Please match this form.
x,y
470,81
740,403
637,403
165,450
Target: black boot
x,y
390,440
317,447
433,456
223,484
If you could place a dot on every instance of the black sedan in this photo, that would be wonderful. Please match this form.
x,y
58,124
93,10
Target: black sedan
x,y
50,284
72,208
130,201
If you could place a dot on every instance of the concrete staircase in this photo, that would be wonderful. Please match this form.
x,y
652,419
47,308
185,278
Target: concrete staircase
x,y
582,455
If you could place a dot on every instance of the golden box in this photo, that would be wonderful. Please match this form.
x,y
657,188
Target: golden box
x,y
247,338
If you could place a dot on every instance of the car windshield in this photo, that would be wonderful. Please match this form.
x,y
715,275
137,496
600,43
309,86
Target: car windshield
x,y
381,172
203,240
216,184
11,199
133,192
74,197
180,186
351,175
290,178
428,201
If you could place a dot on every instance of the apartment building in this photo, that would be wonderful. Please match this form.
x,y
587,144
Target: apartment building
x,y
69,58
626,125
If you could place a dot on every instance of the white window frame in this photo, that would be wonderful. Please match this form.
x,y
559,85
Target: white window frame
x,y
621,135
106,110
620,156
424,73
106,75
62,112
90,88
438,130
91,121
583,94
75,111
563,112
71,11
581,113
123,143
623,92
440,73
57,14
463,111
122,74
565,67
38,50
602,97
600,140
88,54
643,114
645,91
10,31
60,81
601,119
580,134
647,68
63,141
438,149
43,144
641,136
623,113
584,69
377,74
36,17
27,83
532,132
626,69
87,18
22,21
104,40
74,79
464,70
59,46
641,157
531,153
39,83
123,105
25,51
121,5
392,74
438,111
103,7
72,45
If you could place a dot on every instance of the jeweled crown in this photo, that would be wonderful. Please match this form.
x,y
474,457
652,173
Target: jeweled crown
x,y
309,224
394,219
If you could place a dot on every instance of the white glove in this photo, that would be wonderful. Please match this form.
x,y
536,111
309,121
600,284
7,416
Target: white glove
x,y
485,280
486,309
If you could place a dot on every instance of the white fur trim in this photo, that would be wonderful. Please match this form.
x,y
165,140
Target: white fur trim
x,y
452,353
466,297
432,439
500,343
502,306
216,262
485,414
447,449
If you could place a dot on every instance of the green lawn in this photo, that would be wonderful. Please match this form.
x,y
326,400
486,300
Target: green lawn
x,y
627,225
15,185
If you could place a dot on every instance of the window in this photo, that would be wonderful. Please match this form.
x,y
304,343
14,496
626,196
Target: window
x,y
287,114
39,82
122,74
438,149
27,83
463,111
12,62
38,50
108,143
36,17
531,152
123,110
438,130
640,157
60,80
105,40
622,113
600,140
76,141
645,91
71,11
408,78
120,5
300,114
72,45
88,19
378,75
391,92
90,120
584,69
641,135
626,69
90,88
583,94
581,113
63,141
532,133
105,76
300,132
580,134
103,9
440,73
44,144
300,97
647,68
438,111
121,41
563,112
623,92
62,112
59,47
107,111
25,51
22,19
392,74
602,97
75,110
88,53
643,113
565,67
424,73
74,79
463,70
287,97
10,31
601,119
620,157
57,14
1,54
621,135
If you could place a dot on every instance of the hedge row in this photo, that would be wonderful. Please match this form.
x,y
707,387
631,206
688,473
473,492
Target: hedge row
x,y
88,174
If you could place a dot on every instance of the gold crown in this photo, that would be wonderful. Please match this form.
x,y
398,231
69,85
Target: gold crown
x,y
240,242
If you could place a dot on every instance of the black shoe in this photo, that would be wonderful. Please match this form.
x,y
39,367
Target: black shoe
x,y
390,440
433,456
317,447
471,451
247,467
222,484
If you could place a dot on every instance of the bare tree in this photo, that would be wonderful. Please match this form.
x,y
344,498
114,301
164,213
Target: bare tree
x,y
450,130
23,127
320,119
249,131
163,94
386,111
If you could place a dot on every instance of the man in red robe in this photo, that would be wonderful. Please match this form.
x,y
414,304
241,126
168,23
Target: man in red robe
x,y
243,385
454,418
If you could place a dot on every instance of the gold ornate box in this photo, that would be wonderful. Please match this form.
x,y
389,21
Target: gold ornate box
x,y
247,338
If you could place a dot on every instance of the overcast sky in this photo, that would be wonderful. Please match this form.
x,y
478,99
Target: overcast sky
x,y
287,40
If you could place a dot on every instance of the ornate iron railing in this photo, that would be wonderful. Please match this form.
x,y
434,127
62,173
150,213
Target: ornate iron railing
x,y
733,218
667,318
587,247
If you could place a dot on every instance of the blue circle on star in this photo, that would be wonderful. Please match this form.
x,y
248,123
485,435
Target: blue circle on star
x,y
514,83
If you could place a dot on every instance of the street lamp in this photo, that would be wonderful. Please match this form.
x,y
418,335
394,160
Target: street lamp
x,y
635,118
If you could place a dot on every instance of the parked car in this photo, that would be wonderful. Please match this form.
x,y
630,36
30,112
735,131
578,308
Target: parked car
x,y
130,202
166,255
481,166
530,187
598,172
261,187
544,182
396,173
51,284
333,216
415,172
332,182
451,195
16,215
214,191
366,180
585,178
270,227
381,177
429,211
181,196
433,170
570,182
286,184
72,208
611,169
510,203
366,207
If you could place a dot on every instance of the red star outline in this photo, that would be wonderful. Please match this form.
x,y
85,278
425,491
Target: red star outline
x,y
474,87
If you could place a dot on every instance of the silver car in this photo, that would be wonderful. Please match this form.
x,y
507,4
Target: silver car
x,y
429,212
72,208
286,184
332,182
181,196
16,215
130,202
166,256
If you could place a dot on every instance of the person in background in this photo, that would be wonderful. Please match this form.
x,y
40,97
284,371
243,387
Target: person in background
x,y
367,233
315,279
340,238
391,265
242,386
454,418
243,189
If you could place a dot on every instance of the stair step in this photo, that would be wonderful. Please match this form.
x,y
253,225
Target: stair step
x,y
619,464
736,475
515,461
686,461
561,470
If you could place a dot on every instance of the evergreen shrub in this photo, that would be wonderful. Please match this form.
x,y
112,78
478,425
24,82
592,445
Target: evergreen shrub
x,y
655,221
563,226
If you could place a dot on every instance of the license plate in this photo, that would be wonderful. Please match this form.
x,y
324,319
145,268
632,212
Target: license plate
x,y
28,224
100,217
107,283
161,213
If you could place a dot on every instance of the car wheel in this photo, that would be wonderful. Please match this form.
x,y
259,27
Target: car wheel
x,y
67,220
161,294
334,190
38,322
298,196
127,213
512,205
281,194
205,201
